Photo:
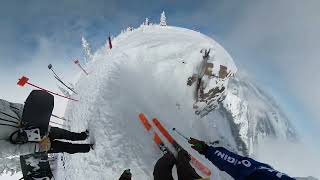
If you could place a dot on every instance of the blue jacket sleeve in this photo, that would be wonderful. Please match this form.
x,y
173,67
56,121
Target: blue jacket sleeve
x,y
239,167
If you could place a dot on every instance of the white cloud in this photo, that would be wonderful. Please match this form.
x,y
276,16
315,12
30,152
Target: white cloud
x,y
283,35
280,40
294,159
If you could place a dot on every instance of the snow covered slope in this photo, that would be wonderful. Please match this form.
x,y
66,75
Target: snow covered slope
x,y
146,71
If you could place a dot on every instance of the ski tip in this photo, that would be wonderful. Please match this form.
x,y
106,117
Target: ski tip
x,y
155,121
145,122
157,139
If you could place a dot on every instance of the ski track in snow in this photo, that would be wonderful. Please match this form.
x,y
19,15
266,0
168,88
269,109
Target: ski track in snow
x,y
142,73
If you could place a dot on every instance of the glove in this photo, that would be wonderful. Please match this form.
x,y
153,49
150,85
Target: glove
x,y
126,175
45,144
198,145
183,156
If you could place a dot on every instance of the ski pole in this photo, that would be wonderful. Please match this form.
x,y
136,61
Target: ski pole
x,y
185,137
50,67
24,80
59,117
179,133
77,62
59,124
59,79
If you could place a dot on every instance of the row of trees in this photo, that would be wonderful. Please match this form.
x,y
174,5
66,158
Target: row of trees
x,y
163,20
87,47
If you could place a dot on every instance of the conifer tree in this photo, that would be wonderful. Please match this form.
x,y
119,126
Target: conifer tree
x,y
87,50
146,22
163,19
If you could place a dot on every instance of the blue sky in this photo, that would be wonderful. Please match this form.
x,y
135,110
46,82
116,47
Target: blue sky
x,y
277,42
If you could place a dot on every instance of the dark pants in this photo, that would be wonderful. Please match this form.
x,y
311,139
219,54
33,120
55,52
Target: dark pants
x,y
57,133
163,167
60,146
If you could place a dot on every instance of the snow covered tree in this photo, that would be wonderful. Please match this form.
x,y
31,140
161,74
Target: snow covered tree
x,y
163,19
146,22
87,50
129,28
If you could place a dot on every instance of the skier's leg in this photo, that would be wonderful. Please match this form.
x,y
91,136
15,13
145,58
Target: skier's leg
x,y
59,146
37,110
163,168
58,133
184,169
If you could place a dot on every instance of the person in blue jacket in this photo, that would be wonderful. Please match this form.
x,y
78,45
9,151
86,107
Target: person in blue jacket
x,y
239,167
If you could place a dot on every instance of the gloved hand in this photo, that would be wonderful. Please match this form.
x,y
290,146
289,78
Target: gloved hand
x,y
198,145
126,175
183,156
45,144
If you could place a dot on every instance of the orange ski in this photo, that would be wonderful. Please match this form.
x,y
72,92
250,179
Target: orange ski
x,y
198,164
156,137
145,122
